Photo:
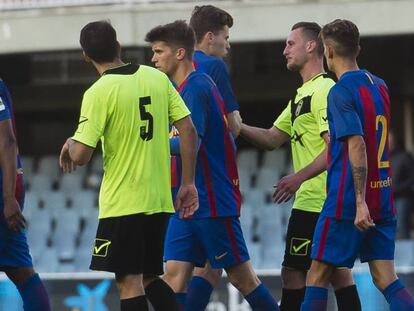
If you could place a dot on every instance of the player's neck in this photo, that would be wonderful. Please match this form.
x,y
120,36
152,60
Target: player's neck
x,y
102,67
311,69
203,47
183,71
343,65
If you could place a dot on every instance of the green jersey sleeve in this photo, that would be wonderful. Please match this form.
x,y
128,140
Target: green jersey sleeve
x,y
92,120
319,106
177,109
283,122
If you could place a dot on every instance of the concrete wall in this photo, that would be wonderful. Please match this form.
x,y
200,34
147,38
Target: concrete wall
x,y
58,28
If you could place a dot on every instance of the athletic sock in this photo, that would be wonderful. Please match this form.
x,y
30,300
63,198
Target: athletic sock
x,y
398,297
34,294
198,294
261,300
292,299
161,296
138,303
316,299
347,299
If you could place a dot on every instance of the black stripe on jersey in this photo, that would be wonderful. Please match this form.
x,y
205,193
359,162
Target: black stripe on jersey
x,y
127,69
301,107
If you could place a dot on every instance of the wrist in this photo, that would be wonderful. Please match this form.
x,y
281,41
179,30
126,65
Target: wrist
x,y
9,197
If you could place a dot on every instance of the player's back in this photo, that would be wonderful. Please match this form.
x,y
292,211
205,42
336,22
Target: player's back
x,y
216,68
216,171
132,120
6,112
367,107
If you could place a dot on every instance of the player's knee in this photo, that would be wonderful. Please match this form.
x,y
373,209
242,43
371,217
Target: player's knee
x,y
176,280
245,283
342,278
19,275
213,276
319,274
292,278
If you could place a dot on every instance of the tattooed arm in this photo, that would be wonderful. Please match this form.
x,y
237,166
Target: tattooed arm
x,y
358,160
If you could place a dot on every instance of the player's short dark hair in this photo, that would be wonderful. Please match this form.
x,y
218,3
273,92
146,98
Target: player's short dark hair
x,y
311,31
98,41
207,18
345,35
176,35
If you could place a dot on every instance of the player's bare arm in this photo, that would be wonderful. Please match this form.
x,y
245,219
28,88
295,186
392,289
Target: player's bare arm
x,y
74,153
358,159
268,139
8,154
234,121
187,196
288,185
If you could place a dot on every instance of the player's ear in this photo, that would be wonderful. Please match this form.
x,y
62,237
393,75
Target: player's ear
x,y
310,46
210,36
329,51
180,54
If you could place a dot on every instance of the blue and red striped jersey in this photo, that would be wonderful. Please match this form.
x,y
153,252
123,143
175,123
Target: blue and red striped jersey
x,y
359,104
6,113
217,178
216,68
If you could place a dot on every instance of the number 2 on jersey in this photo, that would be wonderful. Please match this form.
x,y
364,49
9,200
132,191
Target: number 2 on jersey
x,y
146,131
381,119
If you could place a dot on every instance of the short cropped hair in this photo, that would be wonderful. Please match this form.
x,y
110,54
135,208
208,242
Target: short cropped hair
x,y
345,35
176,35
98,41
311,31
208,18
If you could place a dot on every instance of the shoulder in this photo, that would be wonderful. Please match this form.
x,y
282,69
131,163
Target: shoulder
x,y
323,85
199,83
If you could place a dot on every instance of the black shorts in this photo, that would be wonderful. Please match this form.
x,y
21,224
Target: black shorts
x,y
132,244
299,240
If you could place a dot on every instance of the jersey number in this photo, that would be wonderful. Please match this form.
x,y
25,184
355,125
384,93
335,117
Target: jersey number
x,y
146,131
381,119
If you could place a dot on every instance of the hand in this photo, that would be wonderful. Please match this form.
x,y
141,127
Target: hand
x,y
187,200
363,220
286,188
13,215
237,123
65,162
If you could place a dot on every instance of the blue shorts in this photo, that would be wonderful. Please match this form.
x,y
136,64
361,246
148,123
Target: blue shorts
x,y
339,242
14,250
220,240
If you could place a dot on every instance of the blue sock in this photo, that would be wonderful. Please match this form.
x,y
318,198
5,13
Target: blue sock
x,y
316,299
181,299
198,294
34,294
261,300
398,297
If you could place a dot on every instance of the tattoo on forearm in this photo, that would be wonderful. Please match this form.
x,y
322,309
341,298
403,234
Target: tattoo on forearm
x,y
360,177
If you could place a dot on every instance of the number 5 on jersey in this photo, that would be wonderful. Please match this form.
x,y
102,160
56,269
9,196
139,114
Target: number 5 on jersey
x,y
146,131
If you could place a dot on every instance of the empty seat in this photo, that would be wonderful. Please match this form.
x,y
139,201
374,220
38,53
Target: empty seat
x,y
71,183
247,160
404,253
275,159
65,245
255,198
267,178
49,165
41,183
48,262
68,222
31,203
84,202
54,202
28,166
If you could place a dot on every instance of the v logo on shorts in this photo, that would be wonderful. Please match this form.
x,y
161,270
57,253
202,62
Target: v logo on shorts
x,y
299,246
220,256
100,248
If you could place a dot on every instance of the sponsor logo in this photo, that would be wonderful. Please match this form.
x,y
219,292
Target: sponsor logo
x,y
381,183
100,248
299,246
220,256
